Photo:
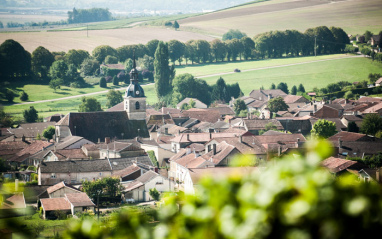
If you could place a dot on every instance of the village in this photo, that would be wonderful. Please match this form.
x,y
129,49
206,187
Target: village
x,y
151,152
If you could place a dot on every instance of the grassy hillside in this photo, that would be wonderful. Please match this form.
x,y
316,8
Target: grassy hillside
x,y
353,16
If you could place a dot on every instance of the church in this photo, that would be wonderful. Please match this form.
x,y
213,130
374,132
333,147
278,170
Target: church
x,y
96,126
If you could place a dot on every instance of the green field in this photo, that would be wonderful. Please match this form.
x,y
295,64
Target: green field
x,y
317,74
222,67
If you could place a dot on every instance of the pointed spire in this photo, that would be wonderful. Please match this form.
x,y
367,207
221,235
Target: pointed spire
x,y
134,64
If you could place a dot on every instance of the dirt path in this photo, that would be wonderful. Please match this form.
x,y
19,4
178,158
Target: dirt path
x,y
270,67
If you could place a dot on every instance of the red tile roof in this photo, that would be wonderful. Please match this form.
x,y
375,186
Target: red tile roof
x,y
211,116
200,137
53,204
79,200
13,202
336,165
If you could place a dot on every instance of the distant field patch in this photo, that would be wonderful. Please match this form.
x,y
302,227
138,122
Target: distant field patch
x,y
23,18
66,40
355,16
317,74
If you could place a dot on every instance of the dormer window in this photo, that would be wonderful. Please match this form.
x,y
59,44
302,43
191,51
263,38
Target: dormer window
x,y
137,106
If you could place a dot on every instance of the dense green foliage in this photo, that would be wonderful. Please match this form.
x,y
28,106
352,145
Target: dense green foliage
x,y
239,106
277,104
49,132
114,97
30,115
324,129
163,76
89,15
42,59
89,104
106,186
371,124
185,85
101,52
154,194
352,127
15,61
6,119
233,34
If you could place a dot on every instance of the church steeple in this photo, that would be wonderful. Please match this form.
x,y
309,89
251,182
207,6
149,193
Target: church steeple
x,y
135,99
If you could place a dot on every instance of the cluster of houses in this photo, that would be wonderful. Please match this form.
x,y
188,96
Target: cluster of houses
x,y
171,149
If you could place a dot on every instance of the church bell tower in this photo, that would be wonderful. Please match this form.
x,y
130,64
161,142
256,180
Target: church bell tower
x,y
134,98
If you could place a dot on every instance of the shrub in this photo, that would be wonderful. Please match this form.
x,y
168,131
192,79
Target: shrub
x,y
154,194
102,82
24,96
115,80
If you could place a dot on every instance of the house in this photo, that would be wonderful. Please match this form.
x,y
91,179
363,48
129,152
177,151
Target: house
x,y
338,166
10,149
120,149
53,118
193,176
345,136
74,172
360,149
339,125
71,203
29,131
357,119
64,155
72,142
378,82
374,40
184,140
374,109
117,67
205,115
26,155
265,95
95,126
198,103
308,110
139,188
360,38
255,125
58,190
296,124
329,111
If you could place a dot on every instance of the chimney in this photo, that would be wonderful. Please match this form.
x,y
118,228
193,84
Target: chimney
x,y
210,135
166,131
214,149
107,140
279,150
314,108
339,143
241,139
269,96
178,131
22,138
298,142
188,137
229,122
188,151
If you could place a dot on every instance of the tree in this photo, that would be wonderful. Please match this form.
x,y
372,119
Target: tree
x,y
176,50
220,91
102,82
218,50
6,120
176,25
115,80
293,90
233,34
301,88
277,104
56,84
374,77
30,115
152,47
114,97
24,96
162,71
352,127
248,47
349,95
283,86
146,63
89,104
49,132
234,90
89,66
9,95
111,60
323,128
41,61
202,50
185,85
76,57
239,106
15,61
371,124
58,71
368,35
273,86
100,52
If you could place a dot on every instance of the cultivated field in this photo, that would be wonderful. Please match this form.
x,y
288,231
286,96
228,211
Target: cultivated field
x,y
354,16
66,40
23,18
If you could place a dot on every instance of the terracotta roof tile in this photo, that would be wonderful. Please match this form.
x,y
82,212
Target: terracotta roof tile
x,y
13,202
79,200
336,165
211,116
53,204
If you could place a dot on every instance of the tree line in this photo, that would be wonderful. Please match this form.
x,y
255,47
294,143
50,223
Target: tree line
x,y
89,15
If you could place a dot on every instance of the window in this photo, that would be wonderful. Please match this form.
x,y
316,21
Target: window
x,y
137,106
53,175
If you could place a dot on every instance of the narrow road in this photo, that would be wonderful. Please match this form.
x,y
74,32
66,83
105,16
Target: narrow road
x,y
205,76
